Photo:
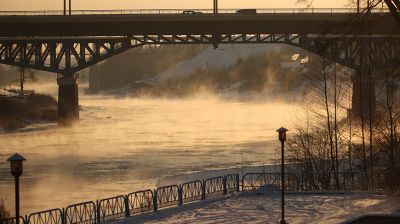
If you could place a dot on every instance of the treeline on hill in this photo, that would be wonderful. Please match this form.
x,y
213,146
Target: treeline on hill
x,y
271,71
333,138
138,64
17,113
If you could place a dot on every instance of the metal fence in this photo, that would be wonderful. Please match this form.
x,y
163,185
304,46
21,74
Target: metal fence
x,y
334,181
123,206
167,196
269,182
214,186
181,11
232,183
140,202
192,191
84,213
54,216
111,208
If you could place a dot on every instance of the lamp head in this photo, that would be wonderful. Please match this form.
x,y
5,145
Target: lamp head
x,y
16,164
282,133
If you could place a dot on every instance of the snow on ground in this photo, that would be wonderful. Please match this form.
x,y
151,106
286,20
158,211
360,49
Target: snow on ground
x,y
4,93
250,207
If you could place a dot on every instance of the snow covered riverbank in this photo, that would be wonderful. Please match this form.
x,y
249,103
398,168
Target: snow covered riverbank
x,y
250,207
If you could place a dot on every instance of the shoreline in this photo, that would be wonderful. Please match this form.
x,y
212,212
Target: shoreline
x,y
25,112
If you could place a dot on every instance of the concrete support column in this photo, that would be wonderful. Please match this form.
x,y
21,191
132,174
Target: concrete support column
x,y
68,101
364,95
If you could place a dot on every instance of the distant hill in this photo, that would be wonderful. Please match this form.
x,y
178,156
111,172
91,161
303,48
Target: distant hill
x,y
138,64
250,70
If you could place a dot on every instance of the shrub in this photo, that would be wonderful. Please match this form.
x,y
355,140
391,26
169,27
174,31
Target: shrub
x,y
4,214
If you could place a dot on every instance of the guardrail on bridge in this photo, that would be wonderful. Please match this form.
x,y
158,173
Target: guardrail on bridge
x,y
181,11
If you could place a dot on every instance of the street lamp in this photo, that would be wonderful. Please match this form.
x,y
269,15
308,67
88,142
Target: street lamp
x,y
16,170
282,137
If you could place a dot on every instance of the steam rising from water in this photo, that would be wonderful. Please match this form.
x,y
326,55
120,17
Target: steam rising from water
x,y
124,145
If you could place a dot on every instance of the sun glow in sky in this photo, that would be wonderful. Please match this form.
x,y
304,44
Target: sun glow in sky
x,y
161,4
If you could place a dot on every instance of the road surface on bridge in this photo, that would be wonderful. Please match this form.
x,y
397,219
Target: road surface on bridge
x,y
178,24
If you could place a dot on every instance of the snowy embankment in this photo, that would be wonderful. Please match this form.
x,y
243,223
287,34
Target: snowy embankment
x,y
224,56
249,207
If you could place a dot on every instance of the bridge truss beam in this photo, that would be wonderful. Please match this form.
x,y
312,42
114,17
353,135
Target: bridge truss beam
x,y
68,56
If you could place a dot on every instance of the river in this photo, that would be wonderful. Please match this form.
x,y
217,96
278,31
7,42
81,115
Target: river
x,y
122,145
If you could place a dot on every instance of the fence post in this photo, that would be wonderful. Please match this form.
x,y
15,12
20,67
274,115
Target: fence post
x,y
365,183
224,183
237,183
98,211
63,216
180,198
155,200
126,202
203,190
243,175
26,221
344,182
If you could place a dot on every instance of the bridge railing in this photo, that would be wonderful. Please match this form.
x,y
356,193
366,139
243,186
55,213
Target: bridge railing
x,y
181,11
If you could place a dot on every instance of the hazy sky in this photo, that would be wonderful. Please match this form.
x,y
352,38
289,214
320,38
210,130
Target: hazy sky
x,y
157,4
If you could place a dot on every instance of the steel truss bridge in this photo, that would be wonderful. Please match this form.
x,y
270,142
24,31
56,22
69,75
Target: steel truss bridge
x,y
68,44
69,56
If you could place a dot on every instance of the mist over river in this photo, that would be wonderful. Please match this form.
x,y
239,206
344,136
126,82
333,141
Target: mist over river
x,y
122,145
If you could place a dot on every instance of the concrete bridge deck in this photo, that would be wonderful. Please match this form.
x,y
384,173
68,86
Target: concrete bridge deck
x,y
229,23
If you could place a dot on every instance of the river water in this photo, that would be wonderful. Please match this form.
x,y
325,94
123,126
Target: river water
x,y
122,145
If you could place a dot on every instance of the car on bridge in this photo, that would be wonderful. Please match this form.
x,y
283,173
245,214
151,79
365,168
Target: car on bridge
x,y
191,12
247,11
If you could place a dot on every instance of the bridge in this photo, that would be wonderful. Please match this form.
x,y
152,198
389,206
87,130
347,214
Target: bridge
x,y
53,42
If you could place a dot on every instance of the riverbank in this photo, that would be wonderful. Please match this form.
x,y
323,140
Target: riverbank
x,y
18,112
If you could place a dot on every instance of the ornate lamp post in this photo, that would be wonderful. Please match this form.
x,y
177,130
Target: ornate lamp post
x,y
16,170
282,137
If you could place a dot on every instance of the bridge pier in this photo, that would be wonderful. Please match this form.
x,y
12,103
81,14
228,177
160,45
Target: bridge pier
x,y
364,95
68,102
